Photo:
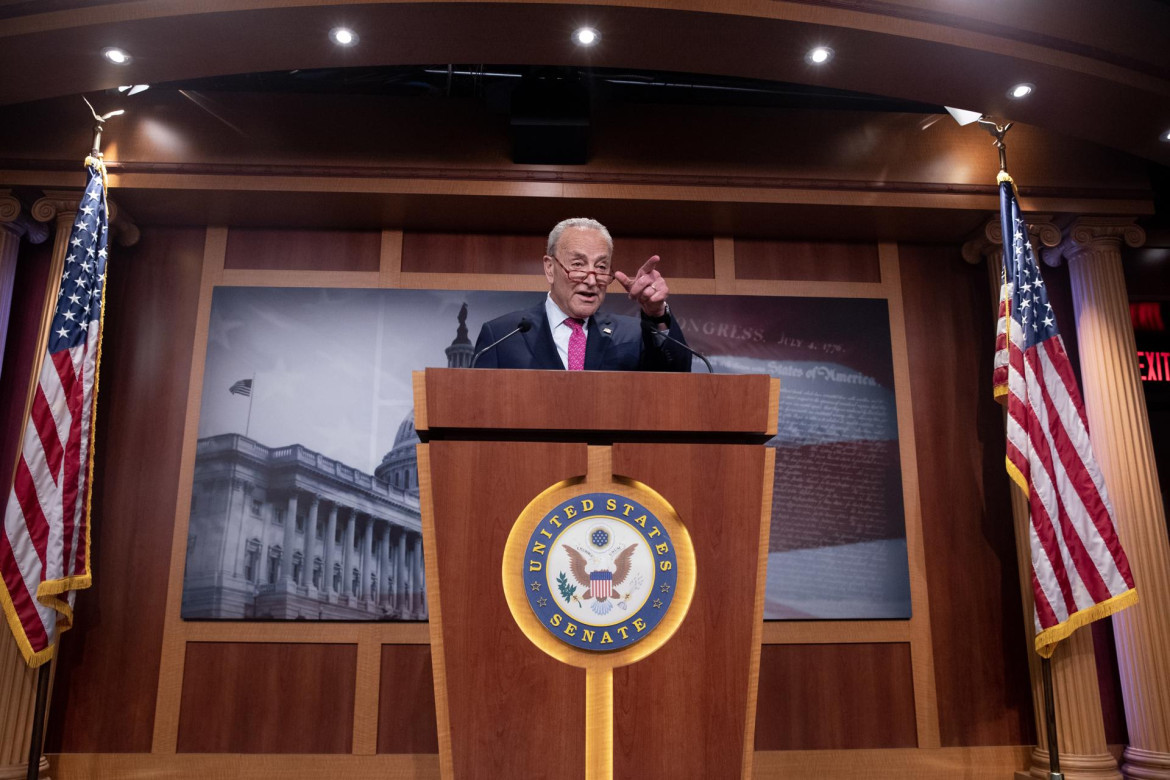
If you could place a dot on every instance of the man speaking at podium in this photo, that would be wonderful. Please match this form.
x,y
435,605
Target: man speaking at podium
x,y
565,331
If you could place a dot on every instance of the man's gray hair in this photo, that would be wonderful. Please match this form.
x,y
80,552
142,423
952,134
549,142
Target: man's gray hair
x,y
577,222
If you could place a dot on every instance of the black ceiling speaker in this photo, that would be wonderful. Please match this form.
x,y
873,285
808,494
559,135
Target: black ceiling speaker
x,y
550,120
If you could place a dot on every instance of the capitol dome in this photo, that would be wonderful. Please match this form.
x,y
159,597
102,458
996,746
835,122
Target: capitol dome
x,y
400,465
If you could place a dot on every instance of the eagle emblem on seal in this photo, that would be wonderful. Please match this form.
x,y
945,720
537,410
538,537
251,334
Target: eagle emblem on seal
x,y
599,580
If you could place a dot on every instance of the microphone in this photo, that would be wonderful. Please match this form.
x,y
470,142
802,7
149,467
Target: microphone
x,y
663,334
524,326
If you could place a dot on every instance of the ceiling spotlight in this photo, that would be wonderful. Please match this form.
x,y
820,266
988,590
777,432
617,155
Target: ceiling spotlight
x,y
819,55
116,55
343,36
133,89
1020,91
1166,136
586,36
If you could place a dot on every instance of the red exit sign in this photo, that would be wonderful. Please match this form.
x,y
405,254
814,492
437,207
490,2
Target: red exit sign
x,y
1154,366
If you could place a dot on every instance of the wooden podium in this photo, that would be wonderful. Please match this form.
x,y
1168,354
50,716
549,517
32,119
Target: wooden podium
x,y
492,442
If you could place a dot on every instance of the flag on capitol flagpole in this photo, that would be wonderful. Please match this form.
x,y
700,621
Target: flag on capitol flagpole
x,y
44,547
1079,570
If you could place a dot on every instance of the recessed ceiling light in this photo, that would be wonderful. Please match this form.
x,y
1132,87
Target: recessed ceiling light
x,y
1020,91
818,55
116,55
343,36
1165,136
586,36
133,89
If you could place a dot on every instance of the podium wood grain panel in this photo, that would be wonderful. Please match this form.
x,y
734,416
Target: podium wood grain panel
x,y
806,261
267,698
475,399
680,712
846,696
303,250
109,661
540,733
406,701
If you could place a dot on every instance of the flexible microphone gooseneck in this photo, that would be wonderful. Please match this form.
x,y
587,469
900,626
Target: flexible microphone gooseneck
x,y
664,335
524,326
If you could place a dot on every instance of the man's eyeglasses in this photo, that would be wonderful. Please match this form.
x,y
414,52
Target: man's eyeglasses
x,y
604,276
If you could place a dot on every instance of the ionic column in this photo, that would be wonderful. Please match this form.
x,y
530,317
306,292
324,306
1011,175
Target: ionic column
x,y
310,537
17,681
386,581
408,605
1080,724
347,555
18,693
367,558
232,553
400,570
14,224
327,553
1117,418
290,539
416,575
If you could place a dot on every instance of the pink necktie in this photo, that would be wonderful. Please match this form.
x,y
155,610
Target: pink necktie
x,y
576,345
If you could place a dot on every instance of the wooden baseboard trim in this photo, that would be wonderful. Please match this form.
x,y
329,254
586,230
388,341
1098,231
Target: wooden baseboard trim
x,y
974,763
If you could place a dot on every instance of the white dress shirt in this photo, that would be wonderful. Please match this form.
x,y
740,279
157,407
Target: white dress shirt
x,y
560,331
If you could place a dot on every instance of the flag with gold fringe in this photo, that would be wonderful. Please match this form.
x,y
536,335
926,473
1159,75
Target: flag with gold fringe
x,y
1079,571
44,547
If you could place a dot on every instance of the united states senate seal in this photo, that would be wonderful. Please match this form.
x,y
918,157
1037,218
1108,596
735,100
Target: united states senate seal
x,y
600,571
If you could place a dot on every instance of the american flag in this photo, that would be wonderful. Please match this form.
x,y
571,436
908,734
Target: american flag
x,y
1079,571
44,548
243,387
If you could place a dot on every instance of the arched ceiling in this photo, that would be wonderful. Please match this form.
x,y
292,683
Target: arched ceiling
x,y
1101,70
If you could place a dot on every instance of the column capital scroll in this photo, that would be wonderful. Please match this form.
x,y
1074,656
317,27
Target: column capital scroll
x,y
63,204
1042,231
15,219
9,206
56,204
1087,234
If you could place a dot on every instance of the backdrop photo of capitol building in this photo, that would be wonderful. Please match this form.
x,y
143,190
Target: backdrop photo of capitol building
x,y
305,500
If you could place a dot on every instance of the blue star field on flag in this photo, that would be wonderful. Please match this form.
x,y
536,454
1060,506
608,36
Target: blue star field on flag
x,y
79,300
1029,296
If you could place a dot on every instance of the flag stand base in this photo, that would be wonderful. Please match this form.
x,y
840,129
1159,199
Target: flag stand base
x,y
1054,772
36,744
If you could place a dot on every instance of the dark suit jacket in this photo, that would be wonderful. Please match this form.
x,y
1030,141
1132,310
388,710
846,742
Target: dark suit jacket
x,y
615,343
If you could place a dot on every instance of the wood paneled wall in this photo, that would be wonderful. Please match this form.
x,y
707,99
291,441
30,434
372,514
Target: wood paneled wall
x,y
302,250
953,676
267,698
109,662
984,693
836,697
806,261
